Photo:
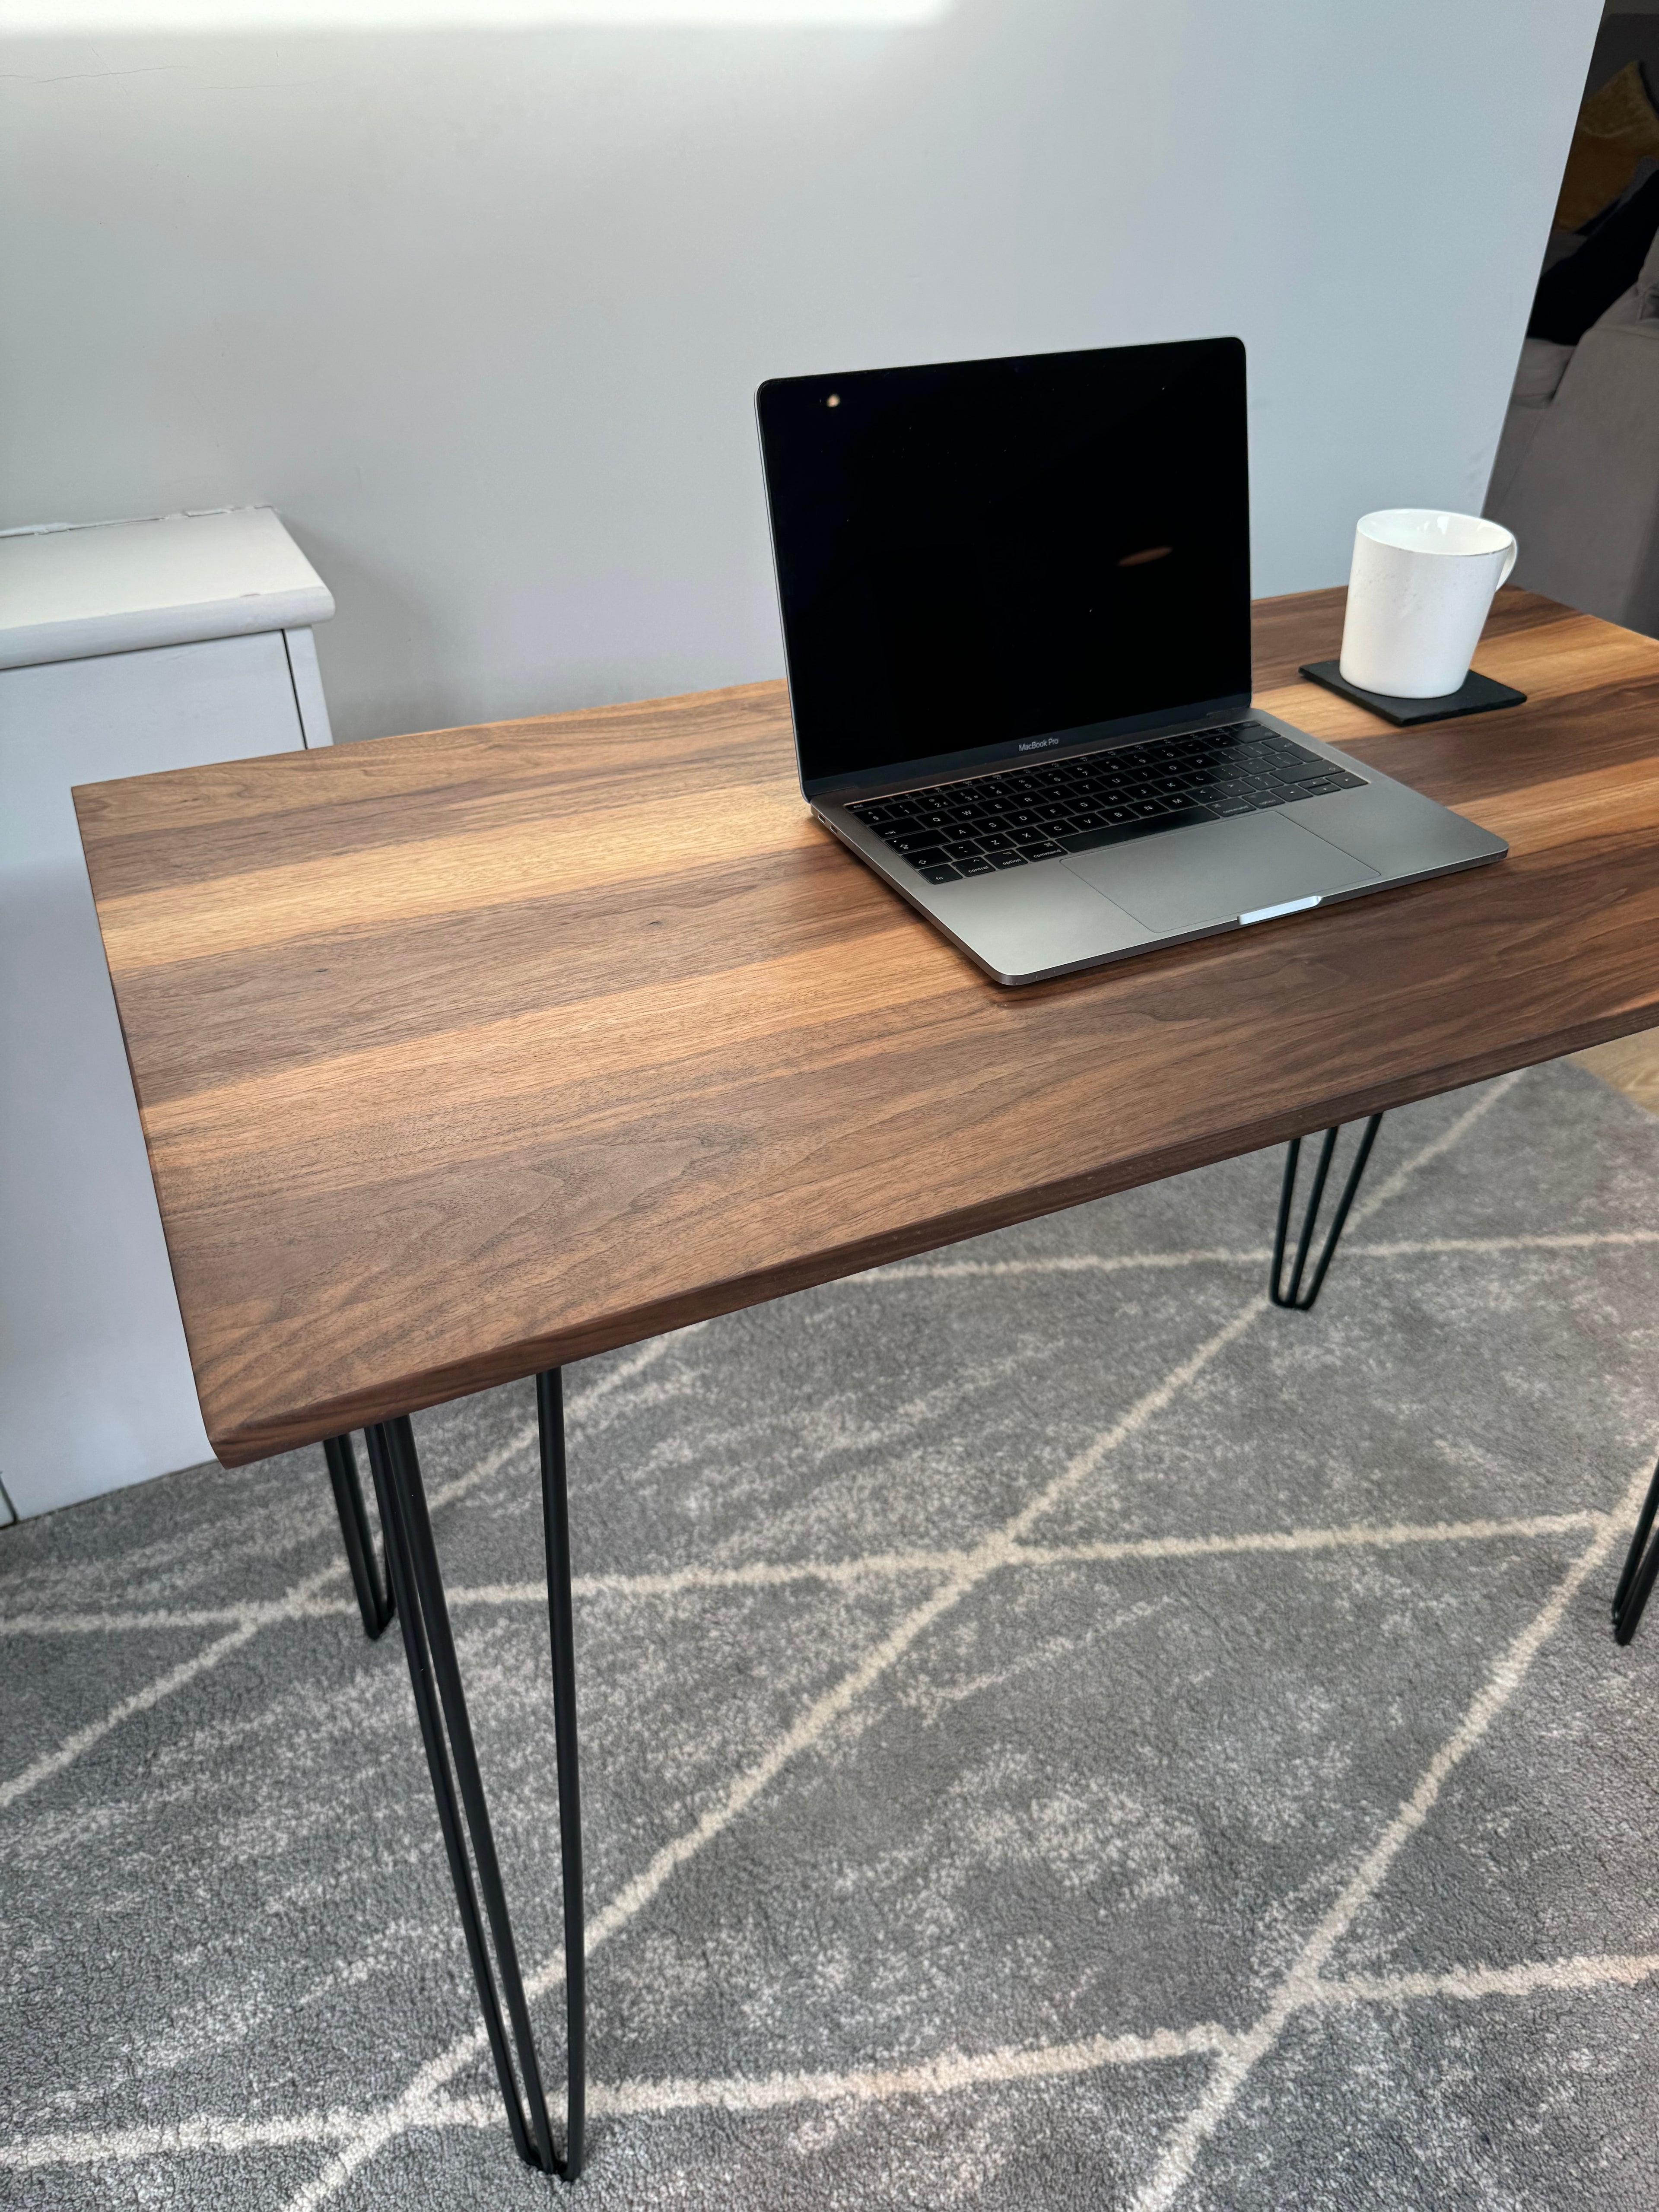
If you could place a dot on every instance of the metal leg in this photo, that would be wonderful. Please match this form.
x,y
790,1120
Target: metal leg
x,y
1293,1295
1641,1570
561,1623
458,1786
374,1598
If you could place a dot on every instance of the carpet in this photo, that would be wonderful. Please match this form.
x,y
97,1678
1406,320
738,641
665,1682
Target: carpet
x,y
1056,1732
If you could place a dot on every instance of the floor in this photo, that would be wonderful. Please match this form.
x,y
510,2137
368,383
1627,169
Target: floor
x,y
1631,1065
1058,1733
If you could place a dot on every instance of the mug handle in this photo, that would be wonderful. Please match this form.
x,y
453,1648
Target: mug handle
x,y
1515,555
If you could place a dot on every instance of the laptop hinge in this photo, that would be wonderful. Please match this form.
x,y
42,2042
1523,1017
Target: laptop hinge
x,y
953,769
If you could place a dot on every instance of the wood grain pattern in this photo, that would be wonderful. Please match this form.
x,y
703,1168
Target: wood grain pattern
x,y
467,1054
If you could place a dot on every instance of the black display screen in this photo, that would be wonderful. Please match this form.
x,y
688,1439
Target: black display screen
x,y
977,557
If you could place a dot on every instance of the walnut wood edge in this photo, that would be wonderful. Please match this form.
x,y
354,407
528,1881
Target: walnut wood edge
x,y
238,1446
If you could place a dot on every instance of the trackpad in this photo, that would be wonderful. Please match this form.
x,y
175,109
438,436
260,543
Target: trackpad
x,y
1192,878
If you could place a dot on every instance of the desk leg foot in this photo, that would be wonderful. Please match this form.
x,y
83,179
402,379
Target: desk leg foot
x,y
1293,1295
1641,1570
367,1578
458,1786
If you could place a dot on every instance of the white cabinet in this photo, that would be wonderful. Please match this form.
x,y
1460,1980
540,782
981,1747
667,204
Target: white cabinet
x,y
95,1387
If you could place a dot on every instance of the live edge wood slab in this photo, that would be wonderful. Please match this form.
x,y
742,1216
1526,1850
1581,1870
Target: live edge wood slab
x,y
464,1055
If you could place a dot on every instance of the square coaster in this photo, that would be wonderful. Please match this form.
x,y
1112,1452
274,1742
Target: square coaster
x,y
1477,694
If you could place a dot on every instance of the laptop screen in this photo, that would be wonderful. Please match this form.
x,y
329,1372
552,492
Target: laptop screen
x,y
994,557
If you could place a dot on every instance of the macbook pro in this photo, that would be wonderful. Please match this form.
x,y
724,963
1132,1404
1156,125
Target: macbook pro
x,y
1016,603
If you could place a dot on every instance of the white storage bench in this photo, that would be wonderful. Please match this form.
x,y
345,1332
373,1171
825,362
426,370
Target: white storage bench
x,y
124,648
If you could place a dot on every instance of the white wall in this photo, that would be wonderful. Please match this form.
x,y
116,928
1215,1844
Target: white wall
x,y
481,312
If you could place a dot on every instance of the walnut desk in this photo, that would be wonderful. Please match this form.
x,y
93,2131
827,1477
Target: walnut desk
x,y
463,1056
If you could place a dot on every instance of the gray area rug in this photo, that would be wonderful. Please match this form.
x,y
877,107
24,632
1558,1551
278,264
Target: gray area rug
x,y
1057,1733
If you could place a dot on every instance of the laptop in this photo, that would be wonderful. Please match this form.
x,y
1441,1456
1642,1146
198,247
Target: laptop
x,y
1016,603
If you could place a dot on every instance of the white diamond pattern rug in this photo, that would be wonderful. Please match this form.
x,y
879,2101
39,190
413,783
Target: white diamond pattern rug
x,y
1057,1732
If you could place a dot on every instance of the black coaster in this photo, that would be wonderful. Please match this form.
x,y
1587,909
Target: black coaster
x,y
1478,695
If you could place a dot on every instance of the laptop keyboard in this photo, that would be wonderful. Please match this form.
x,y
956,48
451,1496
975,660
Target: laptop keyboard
x,y
1042,813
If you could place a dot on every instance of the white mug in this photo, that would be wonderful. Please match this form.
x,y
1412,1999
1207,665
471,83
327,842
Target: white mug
x,y
1419,593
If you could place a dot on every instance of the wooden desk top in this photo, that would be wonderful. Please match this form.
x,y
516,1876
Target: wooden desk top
x,y
464,1055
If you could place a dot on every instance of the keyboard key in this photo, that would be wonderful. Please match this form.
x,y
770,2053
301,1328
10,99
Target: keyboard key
x,y
1086,841
915,843
1044,852
944,875
974,867
1235,807
968,849
1008,859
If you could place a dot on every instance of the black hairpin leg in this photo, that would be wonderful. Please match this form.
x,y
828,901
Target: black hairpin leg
x,y
1641,1570
561,1623
451,1757
374,1598
1292,1294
